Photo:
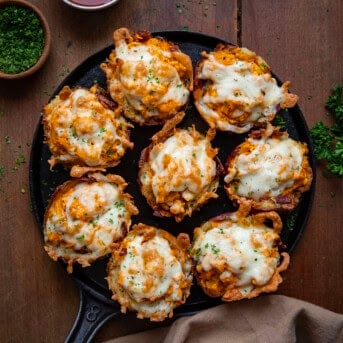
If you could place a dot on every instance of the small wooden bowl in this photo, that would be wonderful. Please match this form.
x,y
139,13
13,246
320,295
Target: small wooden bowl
x,y
47,40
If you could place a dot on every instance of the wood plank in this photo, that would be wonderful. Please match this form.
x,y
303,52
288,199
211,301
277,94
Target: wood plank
x,y
39,301
301,42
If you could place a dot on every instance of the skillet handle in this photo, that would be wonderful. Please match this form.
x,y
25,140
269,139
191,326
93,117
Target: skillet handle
x,y
92,314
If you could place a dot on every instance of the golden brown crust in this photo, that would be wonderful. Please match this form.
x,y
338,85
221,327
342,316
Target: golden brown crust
x,y
78,171
290,99
167,129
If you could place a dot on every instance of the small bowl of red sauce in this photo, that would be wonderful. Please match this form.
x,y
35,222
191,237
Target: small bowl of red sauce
x,y
90,5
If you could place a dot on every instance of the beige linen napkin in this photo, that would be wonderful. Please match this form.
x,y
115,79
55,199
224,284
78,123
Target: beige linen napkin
x,y
271,318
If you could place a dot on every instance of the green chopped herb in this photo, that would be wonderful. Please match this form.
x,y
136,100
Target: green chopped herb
x,y
94,221
328,140
20,159
196,252
131,254
291,221
21,39
7,140
111,221
2,171
214,249
119,204
64,72
80,238
22,190
73,131
263,67
280,122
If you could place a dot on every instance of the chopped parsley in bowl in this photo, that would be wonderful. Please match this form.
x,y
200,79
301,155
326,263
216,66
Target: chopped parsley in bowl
x,y
24,39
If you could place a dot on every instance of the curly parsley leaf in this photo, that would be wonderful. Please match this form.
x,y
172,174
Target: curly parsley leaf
x,y
280,121
335,104
335,161
322,138
328,141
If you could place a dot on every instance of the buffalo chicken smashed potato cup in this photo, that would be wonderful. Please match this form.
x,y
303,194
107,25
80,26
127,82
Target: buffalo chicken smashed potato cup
x,y
270,169
234,90
85,217
237,256
150,272
179,171
148,76
85,128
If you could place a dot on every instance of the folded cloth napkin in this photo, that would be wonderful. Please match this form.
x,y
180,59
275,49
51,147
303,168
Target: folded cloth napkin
x,y
270,318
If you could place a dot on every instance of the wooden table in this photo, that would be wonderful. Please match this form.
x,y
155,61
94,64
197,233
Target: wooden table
x,y
302,42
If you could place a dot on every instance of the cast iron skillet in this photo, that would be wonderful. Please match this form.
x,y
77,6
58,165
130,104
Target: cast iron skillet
x,y
96,306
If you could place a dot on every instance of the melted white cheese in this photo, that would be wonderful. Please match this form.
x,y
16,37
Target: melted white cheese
x,y
86,133
258,95
139,273
145,76
270,168
236,247
94,222
180,164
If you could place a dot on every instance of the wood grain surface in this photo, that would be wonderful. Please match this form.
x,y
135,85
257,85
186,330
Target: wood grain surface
x,y
302,42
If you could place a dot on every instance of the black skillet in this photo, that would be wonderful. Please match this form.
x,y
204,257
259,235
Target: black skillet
x,y
96,306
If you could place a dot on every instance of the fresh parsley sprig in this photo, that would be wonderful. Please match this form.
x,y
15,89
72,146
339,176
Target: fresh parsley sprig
x,y
328,141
